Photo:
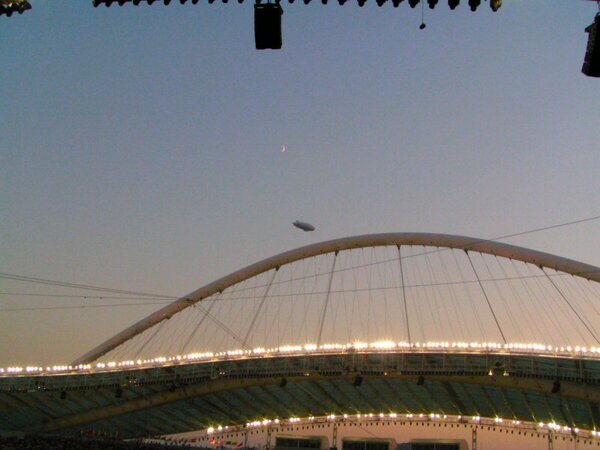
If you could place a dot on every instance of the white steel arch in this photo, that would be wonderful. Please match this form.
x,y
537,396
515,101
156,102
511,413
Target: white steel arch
x,y
540,259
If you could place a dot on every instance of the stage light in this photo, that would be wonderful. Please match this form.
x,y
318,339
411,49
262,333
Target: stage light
x,y
495,5
267,26
432,3
14,7
413,3
474,4
591,63
453,4
357,381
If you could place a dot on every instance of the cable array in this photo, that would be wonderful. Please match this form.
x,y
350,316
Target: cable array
x,y
398,293
431,296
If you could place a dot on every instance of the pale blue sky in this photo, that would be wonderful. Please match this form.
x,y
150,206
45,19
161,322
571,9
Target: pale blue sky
x,y
140,146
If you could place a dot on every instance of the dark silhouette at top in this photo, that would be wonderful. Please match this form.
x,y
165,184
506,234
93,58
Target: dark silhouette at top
x,y
267,25
15,6
591,63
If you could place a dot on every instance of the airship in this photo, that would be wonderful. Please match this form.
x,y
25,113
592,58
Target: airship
x,y
304,226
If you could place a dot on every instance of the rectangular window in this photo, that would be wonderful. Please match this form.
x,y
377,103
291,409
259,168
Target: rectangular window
x,y
434,446
366,445
297,444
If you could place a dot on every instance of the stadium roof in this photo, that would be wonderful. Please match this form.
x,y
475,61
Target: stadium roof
x,y
235,391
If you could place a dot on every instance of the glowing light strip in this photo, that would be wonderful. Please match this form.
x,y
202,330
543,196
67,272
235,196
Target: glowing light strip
x,y
308,349
540,427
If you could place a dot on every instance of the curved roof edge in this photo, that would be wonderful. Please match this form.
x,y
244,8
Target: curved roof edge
x,y
538,258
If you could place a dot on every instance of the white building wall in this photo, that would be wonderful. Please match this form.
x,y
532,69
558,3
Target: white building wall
x,y
488,437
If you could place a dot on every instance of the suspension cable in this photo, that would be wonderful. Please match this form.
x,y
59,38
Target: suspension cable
x,y
404,295
264,297
327,299
88,287
201,321
150,338
571,306
486,297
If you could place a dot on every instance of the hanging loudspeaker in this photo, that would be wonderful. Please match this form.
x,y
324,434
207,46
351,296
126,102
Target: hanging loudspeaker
x,y
267,26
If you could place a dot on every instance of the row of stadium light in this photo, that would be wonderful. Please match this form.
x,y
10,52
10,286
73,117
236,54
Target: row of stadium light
x,y
299,350
431,417
473,4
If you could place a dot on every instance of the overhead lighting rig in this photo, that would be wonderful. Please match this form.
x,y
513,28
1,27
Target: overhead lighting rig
x,y
267,16
473,4
108,3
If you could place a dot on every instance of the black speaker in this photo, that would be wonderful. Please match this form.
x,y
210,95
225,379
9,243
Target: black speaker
x,y
267,25
591,63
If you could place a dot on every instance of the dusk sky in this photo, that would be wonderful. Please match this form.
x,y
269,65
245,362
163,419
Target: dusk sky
x,y
141,146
